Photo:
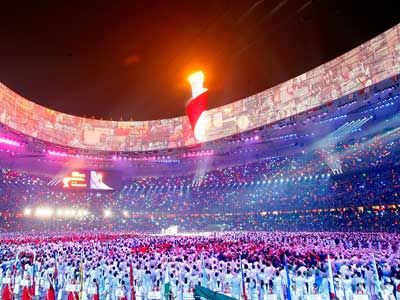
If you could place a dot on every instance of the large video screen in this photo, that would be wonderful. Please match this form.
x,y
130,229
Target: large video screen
x,y
87,180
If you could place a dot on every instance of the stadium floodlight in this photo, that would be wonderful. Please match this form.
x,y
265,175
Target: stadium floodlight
x,y
107,213
44,212
69,212
7,141
27,211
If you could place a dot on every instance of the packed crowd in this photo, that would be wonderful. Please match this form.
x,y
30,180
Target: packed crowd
x,y
113,266
365,201
308,192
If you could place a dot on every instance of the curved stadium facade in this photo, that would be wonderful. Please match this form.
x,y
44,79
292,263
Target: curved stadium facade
x,y
318,152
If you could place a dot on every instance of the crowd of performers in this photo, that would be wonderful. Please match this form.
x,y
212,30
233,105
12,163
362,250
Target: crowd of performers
x,y
254,266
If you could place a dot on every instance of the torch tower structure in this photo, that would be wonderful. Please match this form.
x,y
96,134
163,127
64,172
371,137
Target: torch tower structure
x,y
197,105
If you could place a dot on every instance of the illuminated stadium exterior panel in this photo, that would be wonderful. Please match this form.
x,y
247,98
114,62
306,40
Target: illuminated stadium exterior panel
x,y
368,64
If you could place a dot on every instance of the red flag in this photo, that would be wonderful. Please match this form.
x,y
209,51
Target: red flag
x,y
27,293
132,282
7,292
33,287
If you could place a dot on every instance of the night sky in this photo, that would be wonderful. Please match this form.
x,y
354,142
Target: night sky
x,y
130,59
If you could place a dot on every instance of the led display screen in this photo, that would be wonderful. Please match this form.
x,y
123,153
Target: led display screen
x,y
87,180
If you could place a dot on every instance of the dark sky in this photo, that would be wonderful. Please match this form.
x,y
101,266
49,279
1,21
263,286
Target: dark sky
x,y
130,59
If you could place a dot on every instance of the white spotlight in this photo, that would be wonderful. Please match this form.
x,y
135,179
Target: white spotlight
x,y
107,213
44,212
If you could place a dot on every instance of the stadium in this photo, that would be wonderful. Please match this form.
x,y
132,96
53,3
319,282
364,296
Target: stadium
x,y
292,192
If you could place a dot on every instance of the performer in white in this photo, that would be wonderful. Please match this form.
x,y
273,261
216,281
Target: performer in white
x,y
277,287
17,284
7,292
347,287
300,285
236,285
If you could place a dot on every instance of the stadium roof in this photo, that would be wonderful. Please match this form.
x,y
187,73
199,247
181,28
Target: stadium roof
x,y
114,58
361,116
354,71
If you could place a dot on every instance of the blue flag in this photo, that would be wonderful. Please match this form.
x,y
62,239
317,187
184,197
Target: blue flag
x,y
243,283
376,275
55,276
288,290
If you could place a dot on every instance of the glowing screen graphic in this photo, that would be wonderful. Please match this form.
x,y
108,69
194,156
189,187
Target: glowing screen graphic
x,y
87,180
76,180
97,181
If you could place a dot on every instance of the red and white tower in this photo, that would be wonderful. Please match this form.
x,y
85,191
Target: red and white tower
x,y
196,107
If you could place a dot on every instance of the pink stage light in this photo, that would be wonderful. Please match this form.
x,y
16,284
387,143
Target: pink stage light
x,y
76,155
56,153
199,153
9,142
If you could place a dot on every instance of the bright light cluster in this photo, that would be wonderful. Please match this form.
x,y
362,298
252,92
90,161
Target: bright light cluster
x,y
48,212
72,213
66,154
247,139
199,153
10,142
45,212
159,158
57,153
107,213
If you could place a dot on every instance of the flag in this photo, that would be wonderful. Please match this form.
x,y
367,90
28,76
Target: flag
x,y
17,264
331,286
204,273
205,293
81,276
14,268
377,285
102,282
132,281
243,283
167,284
288,290
106,250
33,274
55,277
